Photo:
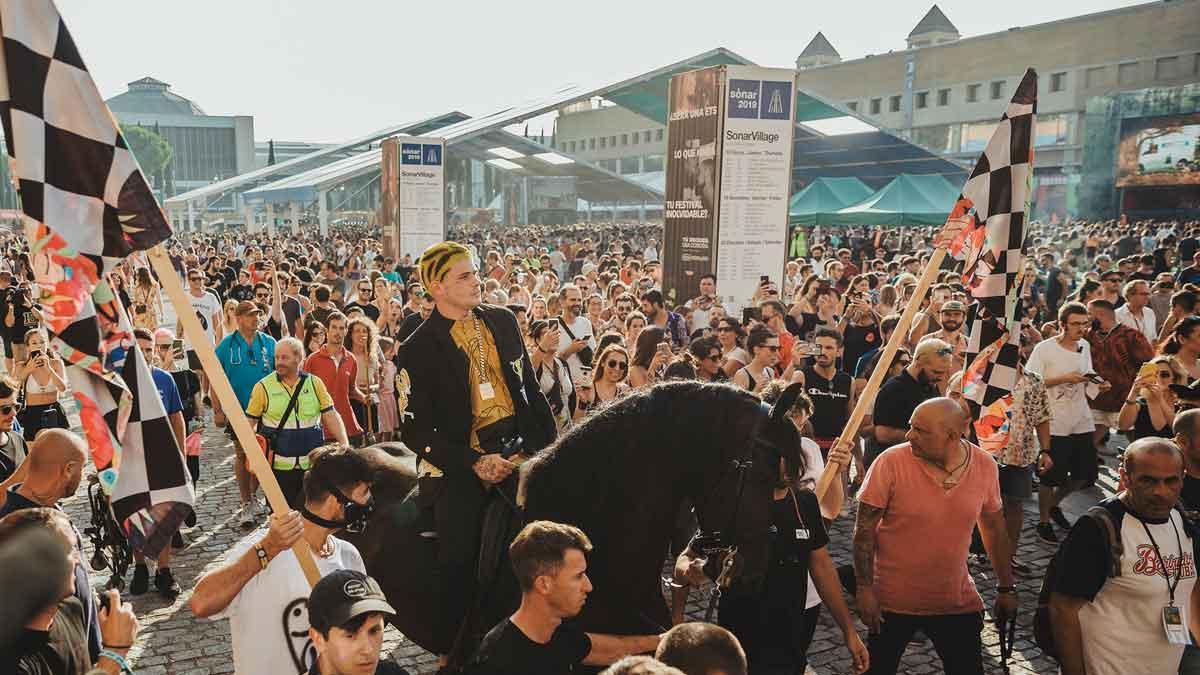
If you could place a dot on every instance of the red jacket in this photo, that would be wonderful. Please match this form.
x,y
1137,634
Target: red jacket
x,y
1117,358
338,379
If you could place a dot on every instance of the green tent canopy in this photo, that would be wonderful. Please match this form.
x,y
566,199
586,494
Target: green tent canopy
x,y
820,199
910,199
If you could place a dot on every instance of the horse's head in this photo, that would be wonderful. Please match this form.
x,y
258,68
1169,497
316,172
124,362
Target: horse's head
x,y
733,498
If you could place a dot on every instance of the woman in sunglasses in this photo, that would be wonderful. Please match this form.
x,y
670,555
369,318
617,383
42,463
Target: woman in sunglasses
x,y
1149,408
612,368
650,357
732,336
554,379
314,337
42,378
763,343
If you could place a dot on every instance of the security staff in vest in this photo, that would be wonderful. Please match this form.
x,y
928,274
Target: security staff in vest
x,y
473,403
290,440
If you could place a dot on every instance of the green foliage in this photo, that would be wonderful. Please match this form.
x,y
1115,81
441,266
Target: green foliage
x,y
152,151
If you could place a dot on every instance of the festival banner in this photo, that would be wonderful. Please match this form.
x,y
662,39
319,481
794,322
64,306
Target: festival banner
x,y
693,175
755,178
419,192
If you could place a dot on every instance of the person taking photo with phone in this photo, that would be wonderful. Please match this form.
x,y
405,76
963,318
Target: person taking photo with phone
x,y
42,378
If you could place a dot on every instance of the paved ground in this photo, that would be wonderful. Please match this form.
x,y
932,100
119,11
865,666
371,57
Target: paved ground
x,y
175,642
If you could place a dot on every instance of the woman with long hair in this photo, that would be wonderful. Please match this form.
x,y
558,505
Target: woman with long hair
x,y
610,373
888,298
732,336
362,340
228,319
1184,346
1149,408
42,378
147,301
707,358
314,337
391,318
635,323
650,356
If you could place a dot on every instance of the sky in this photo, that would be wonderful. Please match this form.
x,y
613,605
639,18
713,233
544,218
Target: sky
x,y
328,71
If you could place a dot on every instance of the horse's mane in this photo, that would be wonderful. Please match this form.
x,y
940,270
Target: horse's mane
x,y
642,440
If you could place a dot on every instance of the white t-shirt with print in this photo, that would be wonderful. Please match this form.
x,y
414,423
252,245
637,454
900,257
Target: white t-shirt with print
x,y
275,598
1069,411
205,307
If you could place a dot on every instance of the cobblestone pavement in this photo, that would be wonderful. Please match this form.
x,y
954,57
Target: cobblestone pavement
x,y
174,642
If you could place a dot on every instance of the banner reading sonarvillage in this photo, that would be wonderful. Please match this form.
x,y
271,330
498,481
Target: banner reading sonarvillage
x,y
756,168
419,196
690,209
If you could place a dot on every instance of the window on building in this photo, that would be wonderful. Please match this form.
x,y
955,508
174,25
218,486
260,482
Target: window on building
x,y
612,140
1166,67
571,146
603,142
1127,73
852,106
1095,77
645,136
636,137
875,103
1058,81
1053,129
894,104
938,138
943,97
922,99
975,136
972,93
591,144
629,165
658,134
997,88
624,139
652,163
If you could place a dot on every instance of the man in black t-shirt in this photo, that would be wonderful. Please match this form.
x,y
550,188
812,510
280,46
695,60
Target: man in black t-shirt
x,y
829,388
243,290
551,567
365,300
919,382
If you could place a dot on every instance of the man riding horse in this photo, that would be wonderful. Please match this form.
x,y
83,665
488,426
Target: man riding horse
x,y
474,410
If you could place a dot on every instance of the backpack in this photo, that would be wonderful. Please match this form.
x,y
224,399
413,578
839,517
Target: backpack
x,y
1043,633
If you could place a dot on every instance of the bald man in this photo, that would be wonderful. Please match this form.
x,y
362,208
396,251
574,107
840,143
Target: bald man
x,y
1107,624
55,468
917,507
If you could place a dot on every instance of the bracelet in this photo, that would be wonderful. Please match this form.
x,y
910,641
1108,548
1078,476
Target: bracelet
x,y
117,659
263,558
1006,589
108,646
1128,402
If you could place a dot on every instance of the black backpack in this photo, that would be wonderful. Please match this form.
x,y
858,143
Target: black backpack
x,y
1043,634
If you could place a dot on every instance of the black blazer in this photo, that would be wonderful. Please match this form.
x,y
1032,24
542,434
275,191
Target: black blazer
x,y
440,399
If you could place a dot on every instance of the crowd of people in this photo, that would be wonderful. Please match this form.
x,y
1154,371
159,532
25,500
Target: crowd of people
x,y
485,348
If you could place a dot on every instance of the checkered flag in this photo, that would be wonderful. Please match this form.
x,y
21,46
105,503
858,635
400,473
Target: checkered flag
x,y
85,201
995,200
153,493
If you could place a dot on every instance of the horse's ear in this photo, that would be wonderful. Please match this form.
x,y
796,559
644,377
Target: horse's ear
x,y
786,400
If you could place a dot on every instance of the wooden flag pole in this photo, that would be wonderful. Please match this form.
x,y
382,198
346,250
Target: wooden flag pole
x,y
223,392
832,469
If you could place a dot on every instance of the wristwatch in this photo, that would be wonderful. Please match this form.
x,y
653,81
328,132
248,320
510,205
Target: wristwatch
x,y
263,558
1007,589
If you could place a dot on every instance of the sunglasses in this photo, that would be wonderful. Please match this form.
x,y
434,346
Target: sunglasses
x,y
10,409
714,357
620,365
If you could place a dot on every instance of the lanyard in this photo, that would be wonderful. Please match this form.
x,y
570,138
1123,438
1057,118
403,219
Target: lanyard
x,y
796,506
1163,563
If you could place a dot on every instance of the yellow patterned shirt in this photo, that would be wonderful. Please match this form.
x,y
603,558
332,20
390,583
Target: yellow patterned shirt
x,y
500,405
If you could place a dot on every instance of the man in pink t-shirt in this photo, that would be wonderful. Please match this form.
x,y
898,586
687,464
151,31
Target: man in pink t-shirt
x,y
917,507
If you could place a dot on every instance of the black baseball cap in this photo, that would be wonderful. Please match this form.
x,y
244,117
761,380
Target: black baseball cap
x,y
1189,392
342,595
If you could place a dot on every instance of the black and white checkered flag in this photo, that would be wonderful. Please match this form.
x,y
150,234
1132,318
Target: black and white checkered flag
x,y
86,206
996,197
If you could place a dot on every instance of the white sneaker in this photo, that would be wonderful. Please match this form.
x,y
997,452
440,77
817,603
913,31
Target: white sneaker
x,y
246,515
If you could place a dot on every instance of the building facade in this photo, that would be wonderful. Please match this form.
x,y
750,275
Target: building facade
x,y
946,92
206,148
611,137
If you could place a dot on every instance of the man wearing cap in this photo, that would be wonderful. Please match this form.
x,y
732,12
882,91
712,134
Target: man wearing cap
x,y
474,402
346,613
247,355
952,315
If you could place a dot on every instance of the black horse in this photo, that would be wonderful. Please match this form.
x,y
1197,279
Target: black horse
x,y
622,477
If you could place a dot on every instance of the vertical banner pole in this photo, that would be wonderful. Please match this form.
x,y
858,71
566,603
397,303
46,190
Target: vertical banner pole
x,y
230,405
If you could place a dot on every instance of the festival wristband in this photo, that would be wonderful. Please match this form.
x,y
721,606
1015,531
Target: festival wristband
x,y
117,659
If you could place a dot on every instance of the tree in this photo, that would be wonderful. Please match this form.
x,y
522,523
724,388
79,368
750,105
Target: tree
x,y
152,151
